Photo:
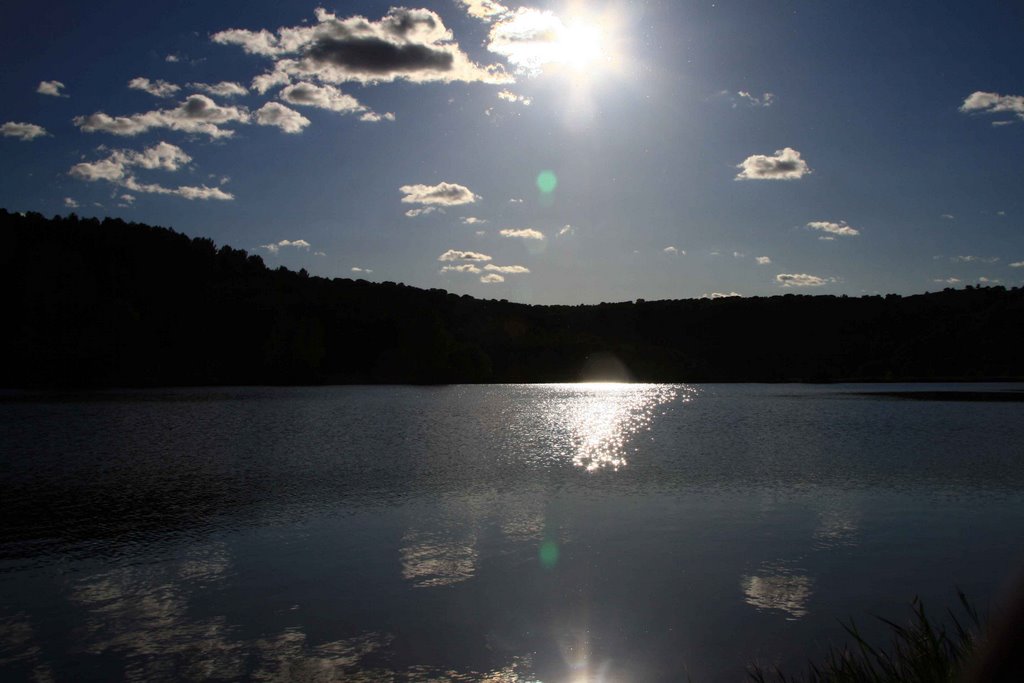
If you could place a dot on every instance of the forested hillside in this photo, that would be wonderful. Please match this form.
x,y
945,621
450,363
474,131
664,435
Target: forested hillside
x,y
110,303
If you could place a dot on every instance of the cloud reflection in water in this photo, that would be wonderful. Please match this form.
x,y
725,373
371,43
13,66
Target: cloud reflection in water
x,y
778,588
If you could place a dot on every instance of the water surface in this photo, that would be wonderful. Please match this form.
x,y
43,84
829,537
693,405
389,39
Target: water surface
x,y
503,533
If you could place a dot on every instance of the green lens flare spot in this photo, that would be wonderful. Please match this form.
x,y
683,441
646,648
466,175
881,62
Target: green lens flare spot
x,y
548,554
547,181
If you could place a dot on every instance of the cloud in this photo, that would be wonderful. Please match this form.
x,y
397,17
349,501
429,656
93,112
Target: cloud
x,y
472,220
764,100
801,280
172,59
948,216
973,259
357,269
763,260
721,295
442,194
422,211
222,89
461,268
116,169
405,44
70,203
491,278
323,97
507,270
1017,264
374,117
23,131
456,255
994,103
158,88
831,227
827,238
510,96
786,164
515,200
127,198
948,280
522,233
1000,213
566,230
671,250
51,88
275,247
195,114
483,9
531,39
738,254
275,114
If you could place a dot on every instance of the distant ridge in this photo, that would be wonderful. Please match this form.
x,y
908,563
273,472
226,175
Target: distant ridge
x,y
107,303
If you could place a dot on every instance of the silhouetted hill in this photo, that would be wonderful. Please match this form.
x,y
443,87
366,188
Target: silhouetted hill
x,y
110,303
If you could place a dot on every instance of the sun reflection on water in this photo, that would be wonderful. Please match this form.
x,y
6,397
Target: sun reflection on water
x,y
601,419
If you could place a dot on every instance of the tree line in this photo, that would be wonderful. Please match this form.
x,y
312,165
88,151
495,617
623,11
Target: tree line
x,y
94,303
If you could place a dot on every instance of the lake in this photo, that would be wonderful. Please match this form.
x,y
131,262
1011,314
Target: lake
x,y
502,533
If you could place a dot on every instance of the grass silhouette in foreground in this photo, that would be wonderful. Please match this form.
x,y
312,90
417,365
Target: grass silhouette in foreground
x,y
923,651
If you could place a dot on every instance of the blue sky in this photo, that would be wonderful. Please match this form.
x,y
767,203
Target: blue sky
x,y
691,148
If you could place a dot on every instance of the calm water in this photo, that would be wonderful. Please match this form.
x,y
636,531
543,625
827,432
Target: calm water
x,y
504,533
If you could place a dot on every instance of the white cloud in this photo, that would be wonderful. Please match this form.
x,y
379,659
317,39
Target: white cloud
x,y
802,280
442,194
405,44
276,114
763,260
764,100
374,117
51,88
522,233
480,233
22,131
457,255
786,164
827,238
973,259
422,211
510,96
116,169
948,280
994,103
324,97
472,220
671,250
948,216
1017,264
222,89
515,200
507,270
566,230
461,268
1000,213
128,199
721,295
275,247
70,203
483,9
834,228
357,269
738,254
531,39
195,114
157,88
172,58
491,278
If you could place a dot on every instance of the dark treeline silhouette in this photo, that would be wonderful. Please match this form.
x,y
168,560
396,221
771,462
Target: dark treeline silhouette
x,y
94,303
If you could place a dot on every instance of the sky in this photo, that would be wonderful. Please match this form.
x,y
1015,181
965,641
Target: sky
x,y
540,152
